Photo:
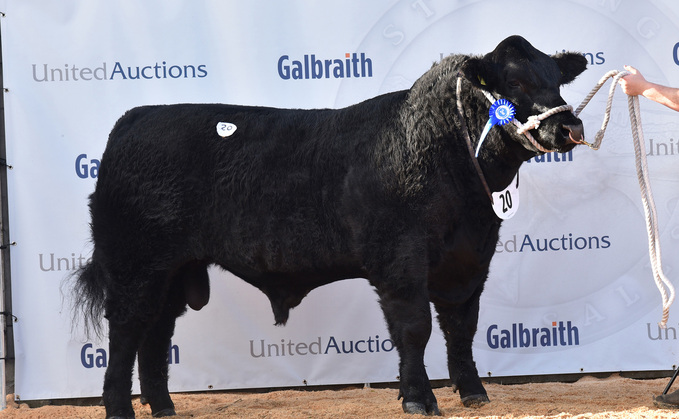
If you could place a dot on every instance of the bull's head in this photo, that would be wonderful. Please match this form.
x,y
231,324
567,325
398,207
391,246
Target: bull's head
x,y
530,79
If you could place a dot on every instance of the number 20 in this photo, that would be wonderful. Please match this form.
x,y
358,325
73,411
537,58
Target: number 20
x,y
506,201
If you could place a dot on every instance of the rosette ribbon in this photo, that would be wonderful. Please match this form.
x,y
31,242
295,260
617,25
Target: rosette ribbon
x,y
501,112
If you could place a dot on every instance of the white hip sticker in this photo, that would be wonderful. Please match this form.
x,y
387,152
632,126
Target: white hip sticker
x,y
506,202
225,129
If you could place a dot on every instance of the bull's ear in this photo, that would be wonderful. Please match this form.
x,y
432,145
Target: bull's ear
x,y
475,70
571,65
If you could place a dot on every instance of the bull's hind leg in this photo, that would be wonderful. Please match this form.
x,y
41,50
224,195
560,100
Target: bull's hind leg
x,y
131,307
406,310
123,343
189,284
153,367
153,359
458,324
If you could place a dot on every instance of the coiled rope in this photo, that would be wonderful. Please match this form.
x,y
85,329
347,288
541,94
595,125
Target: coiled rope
x,y
664,285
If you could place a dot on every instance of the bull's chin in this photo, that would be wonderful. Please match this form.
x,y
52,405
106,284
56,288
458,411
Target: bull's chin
x,y
569,143
565,148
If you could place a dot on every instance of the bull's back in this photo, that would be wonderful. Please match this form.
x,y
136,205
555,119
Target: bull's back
x,y
267,197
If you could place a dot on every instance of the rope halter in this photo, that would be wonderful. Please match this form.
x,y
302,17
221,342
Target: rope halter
x,y
533,122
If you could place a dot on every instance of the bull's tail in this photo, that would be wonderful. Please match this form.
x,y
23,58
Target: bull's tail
x,y
88,294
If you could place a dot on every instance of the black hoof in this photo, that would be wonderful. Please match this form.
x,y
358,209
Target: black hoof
x,y
165,412
119,417
475,400
415,408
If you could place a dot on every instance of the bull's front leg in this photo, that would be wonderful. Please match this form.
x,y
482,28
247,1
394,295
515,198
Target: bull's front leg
x,y
406,310
458,323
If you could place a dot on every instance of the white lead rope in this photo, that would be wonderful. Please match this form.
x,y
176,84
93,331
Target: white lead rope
x,y
664,285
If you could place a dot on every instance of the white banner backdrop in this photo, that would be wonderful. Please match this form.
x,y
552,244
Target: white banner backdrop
x,y
572,264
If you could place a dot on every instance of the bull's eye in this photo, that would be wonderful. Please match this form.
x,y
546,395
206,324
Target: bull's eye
x,y
514,84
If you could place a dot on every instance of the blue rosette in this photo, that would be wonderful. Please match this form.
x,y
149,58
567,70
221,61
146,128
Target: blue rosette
x,y
501,112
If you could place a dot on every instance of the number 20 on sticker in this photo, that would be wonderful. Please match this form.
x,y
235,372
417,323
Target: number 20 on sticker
x,y
506,202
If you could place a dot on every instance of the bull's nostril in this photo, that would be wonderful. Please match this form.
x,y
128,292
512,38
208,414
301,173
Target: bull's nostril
x,y
575,132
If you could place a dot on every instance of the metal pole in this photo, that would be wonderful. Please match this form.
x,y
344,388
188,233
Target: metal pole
x,y
3,329
6,318
3,318
674,377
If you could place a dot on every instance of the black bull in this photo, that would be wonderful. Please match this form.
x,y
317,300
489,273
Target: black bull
x,y
295,199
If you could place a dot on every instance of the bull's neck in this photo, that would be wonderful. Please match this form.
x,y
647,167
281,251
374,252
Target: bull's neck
x,y
433,123
499,167
500,156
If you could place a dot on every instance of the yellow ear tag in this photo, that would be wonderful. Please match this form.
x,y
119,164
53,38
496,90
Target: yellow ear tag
x,y
481,80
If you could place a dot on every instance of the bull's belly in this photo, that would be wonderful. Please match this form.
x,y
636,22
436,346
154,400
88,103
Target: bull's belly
x,y
301,269
286,287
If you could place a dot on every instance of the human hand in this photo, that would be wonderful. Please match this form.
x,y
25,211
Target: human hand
x,y
634,83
